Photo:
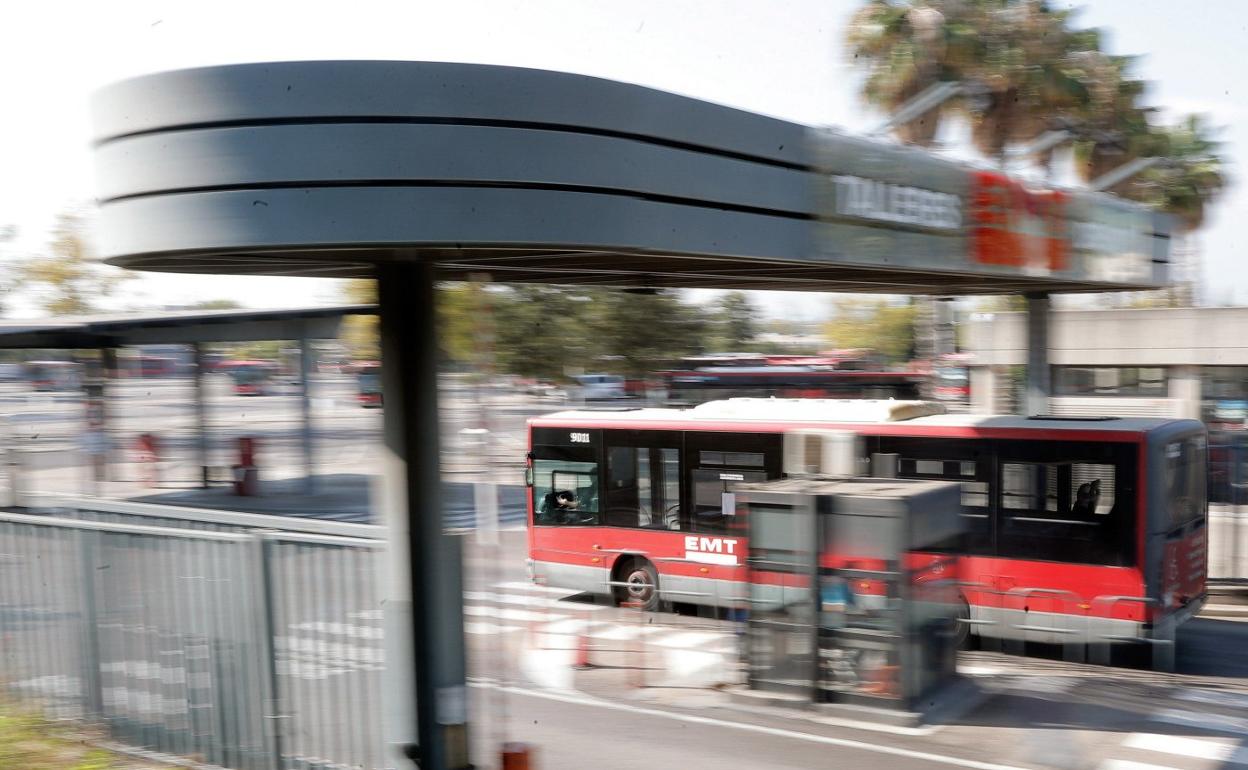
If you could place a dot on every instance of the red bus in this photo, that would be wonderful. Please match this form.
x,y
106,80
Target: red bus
x,y
715,382
1097,524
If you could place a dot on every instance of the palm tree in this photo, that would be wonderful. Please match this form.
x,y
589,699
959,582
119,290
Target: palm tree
x,y
1023,65
1188,179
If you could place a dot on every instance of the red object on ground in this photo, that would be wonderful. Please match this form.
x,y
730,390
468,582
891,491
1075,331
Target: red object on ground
x,y
517,756
149,457
246,474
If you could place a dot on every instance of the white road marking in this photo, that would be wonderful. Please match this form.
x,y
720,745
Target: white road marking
x,y
1219,749
674,716
979,670
529,601
692,640
1127,764
1202,720
1215,697
488,628
506,613
535,588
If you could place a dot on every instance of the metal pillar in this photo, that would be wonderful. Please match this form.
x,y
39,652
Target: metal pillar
x,y
305,413
108,362
201,414
424,601
1039,378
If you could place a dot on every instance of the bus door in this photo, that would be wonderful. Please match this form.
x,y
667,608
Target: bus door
x,y
715,463
642,495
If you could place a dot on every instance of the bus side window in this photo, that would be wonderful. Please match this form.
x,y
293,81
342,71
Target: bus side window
x,y
1054,509
713,501
952,461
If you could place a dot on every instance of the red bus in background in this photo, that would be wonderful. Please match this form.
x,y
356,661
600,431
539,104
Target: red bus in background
x,y
368,383
1095,526
250,378
47,376
154,366
951,378
838,374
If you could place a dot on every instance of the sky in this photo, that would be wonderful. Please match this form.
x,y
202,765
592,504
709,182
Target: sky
x,y
779,57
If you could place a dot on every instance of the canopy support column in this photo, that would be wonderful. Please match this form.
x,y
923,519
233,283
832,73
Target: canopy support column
x,y
305,412
201,413
1039,378
424,591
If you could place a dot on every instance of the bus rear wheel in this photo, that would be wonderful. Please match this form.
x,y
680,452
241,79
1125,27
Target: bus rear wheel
x,y
643,585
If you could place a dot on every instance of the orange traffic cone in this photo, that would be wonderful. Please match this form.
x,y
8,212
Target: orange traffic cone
x,y
582,649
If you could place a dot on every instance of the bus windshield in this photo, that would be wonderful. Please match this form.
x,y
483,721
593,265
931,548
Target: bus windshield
x,y
565,489
1185,480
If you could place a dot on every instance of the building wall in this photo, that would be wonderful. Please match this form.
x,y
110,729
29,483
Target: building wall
x,y
1182,340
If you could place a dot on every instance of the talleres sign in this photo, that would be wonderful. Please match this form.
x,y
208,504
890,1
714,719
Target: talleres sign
x,y
906,208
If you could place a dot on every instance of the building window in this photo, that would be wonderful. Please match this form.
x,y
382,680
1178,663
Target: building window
x,y
1148,382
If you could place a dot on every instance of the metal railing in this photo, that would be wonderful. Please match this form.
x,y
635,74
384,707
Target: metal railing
x,y
240,648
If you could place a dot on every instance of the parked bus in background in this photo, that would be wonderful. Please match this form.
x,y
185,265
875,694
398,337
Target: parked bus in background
x,y
832,376
951,378
1093,526
368,384
251,378
48,376
154,366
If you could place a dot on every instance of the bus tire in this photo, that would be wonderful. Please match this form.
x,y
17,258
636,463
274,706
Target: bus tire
x,y
963,639
642,574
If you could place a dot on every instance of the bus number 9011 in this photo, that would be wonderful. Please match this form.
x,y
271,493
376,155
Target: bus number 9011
x,y
579,438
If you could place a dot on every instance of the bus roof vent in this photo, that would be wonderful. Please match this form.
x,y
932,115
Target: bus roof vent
x,y
818,409
1072,418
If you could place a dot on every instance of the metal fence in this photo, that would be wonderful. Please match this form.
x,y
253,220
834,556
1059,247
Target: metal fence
x,y
236,648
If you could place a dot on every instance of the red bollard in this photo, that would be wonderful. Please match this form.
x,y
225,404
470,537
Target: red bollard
x,y
246,474
146,447
517,756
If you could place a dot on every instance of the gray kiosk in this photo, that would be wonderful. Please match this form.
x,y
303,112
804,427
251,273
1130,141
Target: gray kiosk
x,y
854,589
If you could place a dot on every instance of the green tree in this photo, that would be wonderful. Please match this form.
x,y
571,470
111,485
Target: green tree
x,y
634,333
885,328
68,279
733,322
360,334
541,331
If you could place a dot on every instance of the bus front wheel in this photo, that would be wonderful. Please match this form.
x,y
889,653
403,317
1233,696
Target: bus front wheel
x,y
642,589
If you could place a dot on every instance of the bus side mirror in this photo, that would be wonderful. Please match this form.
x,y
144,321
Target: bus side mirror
x,y
528,476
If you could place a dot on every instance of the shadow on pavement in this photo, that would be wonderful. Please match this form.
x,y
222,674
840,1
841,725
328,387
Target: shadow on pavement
x,y
338,497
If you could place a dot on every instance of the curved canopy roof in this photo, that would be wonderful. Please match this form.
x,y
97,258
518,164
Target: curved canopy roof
x,y
326,168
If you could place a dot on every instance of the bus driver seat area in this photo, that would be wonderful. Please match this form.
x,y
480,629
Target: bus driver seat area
x,y
561,507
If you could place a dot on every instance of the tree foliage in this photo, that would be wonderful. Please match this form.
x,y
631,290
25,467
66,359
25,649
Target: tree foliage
x,y
555,332
873,324
68,279
1026,69
733,322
